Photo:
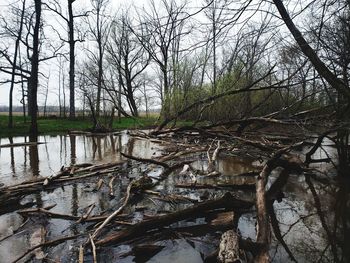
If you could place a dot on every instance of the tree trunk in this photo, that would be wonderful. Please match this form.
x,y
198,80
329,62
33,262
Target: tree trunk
x,y
33,80
10,123
71,60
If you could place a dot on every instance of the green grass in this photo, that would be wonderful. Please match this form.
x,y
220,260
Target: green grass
x,y
62,125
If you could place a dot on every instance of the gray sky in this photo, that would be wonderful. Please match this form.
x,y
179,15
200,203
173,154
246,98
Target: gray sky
x,y
50,67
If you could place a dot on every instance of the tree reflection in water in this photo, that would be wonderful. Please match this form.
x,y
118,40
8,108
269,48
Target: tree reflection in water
x,y
313,223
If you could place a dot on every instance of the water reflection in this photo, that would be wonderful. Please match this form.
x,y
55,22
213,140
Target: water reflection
x,y
73,154
12,158
65,150
34,157
314,217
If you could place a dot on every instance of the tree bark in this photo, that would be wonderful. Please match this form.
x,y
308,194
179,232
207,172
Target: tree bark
x,y
71,60
33,80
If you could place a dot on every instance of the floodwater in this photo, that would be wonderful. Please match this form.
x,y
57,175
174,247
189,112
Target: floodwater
x,y
314,217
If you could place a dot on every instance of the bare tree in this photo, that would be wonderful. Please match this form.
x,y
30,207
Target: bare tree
x,y
55,6
158,33
33,80
129,58
14,66
217,14
99,27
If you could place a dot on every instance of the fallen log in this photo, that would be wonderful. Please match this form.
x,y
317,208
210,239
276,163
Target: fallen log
x,y
263,222
170,197
114,214
145,160
30,187
225,202
229,247
197,186
33,211
245,186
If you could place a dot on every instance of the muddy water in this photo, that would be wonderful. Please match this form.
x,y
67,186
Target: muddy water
x,y
314,218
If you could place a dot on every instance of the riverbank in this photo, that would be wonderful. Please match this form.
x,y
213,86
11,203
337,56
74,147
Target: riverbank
x,y
56,125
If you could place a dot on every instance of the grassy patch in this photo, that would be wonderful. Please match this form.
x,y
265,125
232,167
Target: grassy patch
x,y
61,125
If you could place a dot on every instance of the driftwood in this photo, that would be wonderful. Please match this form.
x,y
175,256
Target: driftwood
x,y
62,172
135,185
81,254
145,160
263,224
15,231
212,159
226,202
182,153
110,185
45,211
51,243
114,214
197,186
64,176
87,214
314,148
170,197
245,186
99,184
229,247
93,249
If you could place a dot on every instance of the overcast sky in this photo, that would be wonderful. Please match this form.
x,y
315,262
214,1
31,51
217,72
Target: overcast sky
x,y
50,67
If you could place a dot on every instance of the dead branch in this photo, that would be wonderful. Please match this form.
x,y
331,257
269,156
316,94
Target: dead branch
x,y
171,197
209,99
226,202
263,224
51,243
115,213
93,249
87,214
64,176
229,247
212,160
110,185
81,254
145,160
33,211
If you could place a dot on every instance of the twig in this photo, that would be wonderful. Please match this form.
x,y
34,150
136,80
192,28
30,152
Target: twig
x,y
46,244
110,184
115,213
145,160
81,254
93,249
87,214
